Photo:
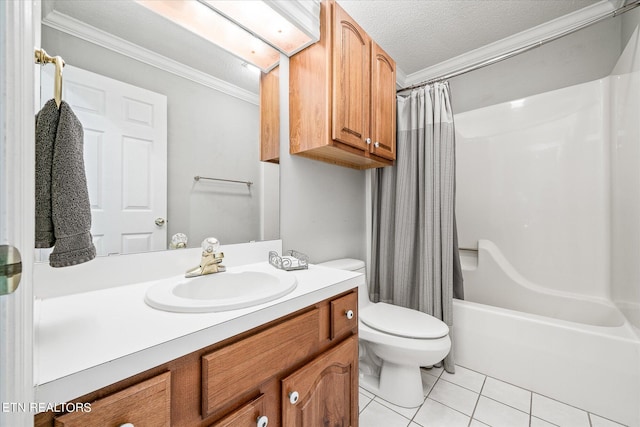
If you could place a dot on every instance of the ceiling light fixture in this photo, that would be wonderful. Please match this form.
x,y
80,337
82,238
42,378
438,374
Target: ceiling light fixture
x,y
253,30
251,67
262,19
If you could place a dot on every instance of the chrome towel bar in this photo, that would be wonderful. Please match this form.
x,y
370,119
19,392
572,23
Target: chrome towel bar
x,y
198,178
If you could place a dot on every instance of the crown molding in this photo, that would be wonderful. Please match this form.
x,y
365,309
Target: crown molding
x,y
76,28
524,38
401,78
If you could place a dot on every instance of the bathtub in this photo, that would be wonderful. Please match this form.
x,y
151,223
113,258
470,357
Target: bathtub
x,y
572,348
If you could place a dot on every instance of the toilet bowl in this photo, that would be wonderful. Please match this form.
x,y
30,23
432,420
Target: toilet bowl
x,y
394,343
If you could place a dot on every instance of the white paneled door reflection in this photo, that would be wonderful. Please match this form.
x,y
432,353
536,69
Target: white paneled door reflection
x,y
125,154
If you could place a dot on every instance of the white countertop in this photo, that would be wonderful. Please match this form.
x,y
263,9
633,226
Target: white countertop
x,y
88,340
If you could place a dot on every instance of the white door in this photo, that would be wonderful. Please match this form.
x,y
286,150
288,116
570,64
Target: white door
x,y
19,33
125,155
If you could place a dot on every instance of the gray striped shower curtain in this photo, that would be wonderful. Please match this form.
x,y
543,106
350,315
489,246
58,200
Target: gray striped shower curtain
x,y
414,246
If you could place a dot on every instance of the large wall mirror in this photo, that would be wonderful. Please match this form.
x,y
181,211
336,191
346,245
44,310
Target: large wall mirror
x,y
164,79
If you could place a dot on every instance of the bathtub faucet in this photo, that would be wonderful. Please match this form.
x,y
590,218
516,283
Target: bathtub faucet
x,y
210,262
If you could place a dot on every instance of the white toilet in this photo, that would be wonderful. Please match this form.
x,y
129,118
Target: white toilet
x,y
394,343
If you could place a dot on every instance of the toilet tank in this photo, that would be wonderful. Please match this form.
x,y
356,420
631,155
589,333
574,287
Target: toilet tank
x,y
357,266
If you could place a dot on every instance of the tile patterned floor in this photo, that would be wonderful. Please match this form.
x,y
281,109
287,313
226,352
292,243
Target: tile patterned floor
x,y
471,399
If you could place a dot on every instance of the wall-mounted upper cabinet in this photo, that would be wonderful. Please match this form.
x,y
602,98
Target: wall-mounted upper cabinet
x,y
342,96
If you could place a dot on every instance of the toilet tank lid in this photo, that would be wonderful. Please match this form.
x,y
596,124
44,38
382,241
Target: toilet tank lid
x,y
344,264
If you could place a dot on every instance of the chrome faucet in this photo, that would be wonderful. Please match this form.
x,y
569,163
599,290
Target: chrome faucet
x,y
211,260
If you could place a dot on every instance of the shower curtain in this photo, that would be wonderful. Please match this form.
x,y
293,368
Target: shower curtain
x,y
414,246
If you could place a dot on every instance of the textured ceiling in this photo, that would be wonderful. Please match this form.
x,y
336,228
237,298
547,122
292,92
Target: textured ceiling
x,y
422,33
416,33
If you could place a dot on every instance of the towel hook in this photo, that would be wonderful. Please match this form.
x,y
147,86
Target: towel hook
x,y
42,57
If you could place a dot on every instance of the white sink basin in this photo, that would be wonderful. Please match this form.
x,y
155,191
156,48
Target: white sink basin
x,y
220,291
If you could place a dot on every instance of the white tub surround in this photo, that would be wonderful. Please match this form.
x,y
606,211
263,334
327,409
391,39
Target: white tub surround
x,y
625,179
532,176
88,340
592,368
490,279
574,348
553,182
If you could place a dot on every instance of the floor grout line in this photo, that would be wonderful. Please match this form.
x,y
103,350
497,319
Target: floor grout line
x,y
479,394
477,400
532,393
444,404
530,408
546,421
505,404
402,415
365,406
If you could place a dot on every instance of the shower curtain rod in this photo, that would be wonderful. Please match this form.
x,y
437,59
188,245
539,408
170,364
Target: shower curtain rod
x,y
619,11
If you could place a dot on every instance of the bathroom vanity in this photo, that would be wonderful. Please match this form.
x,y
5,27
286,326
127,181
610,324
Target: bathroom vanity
x,y
292,361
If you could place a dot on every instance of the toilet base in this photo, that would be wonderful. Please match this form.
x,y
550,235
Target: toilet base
x,y
398,384
371,383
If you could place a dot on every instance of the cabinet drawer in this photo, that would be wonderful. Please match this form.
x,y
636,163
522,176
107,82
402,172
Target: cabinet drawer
x,y
145,404
240,367
246,415
344,315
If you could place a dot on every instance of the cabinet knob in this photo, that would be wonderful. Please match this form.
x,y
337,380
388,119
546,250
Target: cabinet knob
x,y
349,314
376,144
127,425
368,141
262,421
293,397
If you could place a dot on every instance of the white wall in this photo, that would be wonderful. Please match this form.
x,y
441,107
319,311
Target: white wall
x,y
584,56
533,177
554,178
533,159
322,206
625,173
270,201
209,134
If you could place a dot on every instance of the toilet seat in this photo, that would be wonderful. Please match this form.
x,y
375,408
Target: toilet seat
x,y
403,322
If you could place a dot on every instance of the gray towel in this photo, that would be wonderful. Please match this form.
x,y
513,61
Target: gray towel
x,y
46,127
61,164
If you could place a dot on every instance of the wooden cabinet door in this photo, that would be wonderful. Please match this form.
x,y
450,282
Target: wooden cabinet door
x,y
351,81
270,116
383,103
247,415
327,390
